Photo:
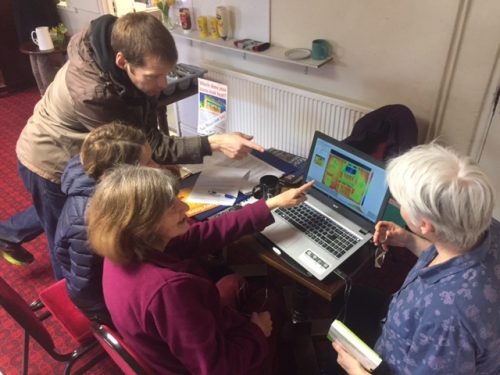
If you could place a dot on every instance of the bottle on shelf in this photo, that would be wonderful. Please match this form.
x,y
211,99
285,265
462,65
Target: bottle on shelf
x,y
212,27
222,22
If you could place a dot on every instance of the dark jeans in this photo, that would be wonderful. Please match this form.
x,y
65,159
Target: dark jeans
x,y
48,200
22,227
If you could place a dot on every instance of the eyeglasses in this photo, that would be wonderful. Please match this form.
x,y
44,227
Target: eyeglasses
x,y
380,253
243,291
262,307
379,256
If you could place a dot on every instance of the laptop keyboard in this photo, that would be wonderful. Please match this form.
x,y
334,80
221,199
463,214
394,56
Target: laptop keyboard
x,y
321,229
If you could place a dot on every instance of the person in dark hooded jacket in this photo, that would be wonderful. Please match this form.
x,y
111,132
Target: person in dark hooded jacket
x,y
116,70
104,148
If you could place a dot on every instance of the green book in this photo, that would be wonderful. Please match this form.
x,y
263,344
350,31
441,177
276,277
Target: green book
x,y
368,358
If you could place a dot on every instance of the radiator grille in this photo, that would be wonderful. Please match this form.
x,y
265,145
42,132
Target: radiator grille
x,y
283,116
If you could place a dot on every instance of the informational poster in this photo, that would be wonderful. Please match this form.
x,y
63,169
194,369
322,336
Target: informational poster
x,y
212,107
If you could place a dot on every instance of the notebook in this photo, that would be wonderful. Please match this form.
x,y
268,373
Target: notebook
x,y
349,196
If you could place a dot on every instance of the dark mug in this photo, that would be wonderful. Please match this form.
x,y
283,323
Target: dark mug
x,y
268,187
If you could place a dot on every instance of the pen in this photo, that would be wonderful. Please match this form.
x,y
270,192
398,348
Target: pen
x,y
229,196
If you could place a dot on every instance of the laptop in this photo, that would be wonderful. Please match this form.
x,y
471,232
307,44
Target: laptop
x,y
349,196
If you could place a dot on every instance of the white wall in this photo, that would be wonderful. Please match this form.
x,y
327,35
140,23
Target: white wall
x,y
440,58
434,56
437,57
77,14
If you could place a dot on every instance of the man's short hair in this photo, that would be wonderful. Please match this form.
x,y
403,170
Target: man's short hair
x,y
140,34
434,182
110,145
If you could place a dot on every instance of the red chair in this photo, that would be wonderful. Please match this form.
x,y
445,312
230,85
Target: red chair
x,y
120,353
57,301
25,316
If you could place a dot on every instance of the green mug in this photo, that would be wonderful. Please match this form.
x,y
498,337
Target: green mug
x,y
320,49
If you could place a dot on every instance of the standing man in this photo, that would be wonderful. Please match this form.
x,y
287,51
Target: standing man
x,y
116,70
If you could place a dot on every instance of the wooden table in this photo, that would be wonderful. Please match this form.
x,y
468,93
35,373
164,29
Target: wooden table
x,y
328,288
44,64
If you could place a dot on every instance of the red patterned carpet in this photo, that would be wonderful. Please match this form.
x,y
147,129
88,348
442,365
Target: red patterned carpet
x,y
28,280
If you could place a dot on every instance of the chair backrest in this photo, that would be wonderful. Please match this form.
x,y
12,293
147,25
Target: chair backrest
x,y
119,351
20,311
385,132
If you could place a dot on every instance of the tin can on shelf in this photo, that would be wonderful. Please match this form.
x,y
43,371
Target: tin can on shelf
x,y
185,19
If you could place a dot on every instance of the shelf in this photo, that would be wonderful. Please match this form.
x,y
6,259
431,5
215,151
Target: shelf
x,y
273,53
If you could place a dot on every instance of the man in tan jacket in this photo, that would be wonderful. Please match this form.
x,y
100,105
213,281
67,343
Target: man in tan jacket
x,y
116,70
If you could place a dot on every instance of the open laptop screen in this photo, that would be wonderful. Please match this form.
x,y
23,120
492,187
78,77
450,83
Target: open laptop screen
x,y
348,177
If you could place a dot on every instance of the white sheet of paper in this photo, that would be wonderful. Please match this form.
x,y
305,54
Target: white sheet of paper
x,y
218,185
256,166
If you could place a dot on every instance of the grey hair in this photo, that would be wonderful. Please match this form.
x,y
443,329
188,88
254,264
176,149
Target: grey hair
x,y
124,212
434,182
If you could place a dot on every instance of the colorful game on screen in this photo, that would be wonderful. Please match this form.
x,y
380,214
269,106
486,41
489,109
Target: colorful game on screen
x,y
348,178
352,180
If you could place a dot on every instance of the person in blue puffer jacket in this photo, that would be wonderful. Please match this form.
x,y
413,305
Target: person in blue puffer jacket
x,y
104,148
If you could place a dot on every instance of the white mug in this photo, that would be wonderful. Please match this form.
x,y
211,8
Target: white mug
x,y
42,39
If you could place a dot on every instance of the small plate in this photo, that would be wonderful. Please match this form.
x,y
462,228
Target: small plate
x,y
298,53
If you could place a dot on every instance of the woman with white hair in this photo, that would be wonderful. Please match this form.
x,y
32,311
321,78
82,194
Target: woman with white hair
x,y
445,319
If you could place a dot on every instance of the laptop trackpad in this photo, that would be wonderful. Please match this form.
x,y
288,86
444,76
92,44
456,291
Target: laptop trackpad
x,y
284,235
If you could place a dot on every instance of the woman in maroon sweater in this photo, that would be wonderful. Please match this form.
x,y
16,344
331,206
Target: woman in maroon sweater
x,y
160,301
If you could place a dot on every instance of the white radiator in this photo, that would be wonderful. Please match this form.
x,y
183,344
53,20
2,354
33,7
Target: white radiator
x,y
279,115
